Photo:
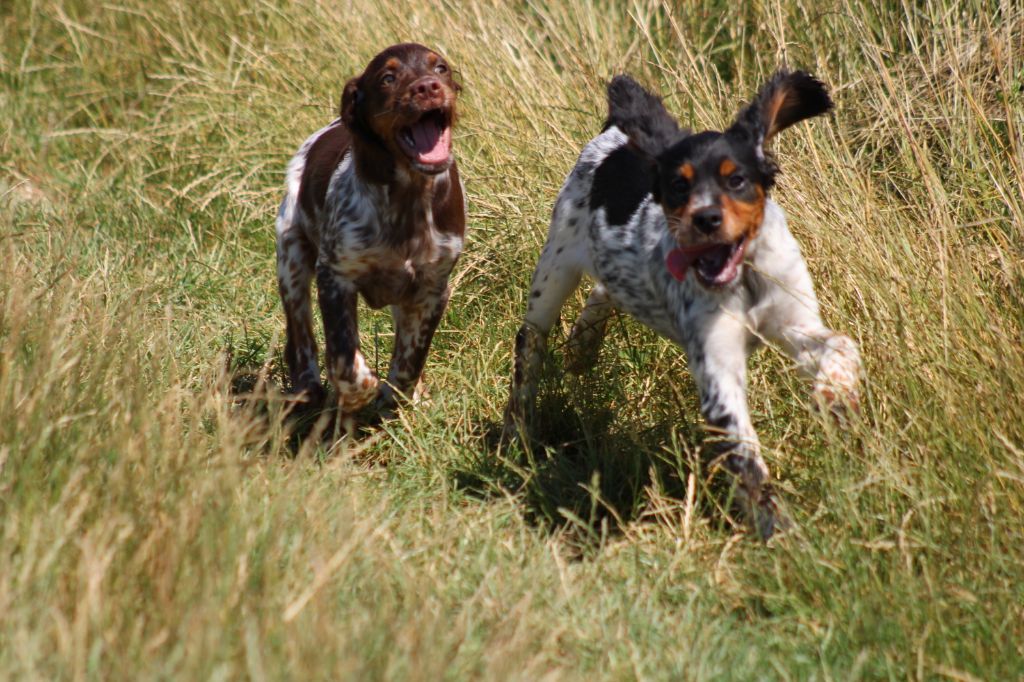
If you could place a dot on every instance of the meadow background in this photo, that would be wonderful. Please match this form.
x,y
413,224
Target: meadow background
x,y
159,519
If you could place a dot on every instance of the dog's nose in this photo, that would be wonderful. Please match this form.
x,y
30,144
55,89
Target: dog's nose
x,y
708,220
426,87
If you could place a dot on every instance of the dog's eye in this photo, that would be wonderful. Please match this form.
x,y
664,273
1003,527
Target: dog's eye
x,y
735,181
679,186
387,79
441,69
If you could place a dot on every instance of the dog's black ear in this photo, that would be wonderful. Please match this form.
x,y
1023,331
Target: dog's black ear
x,y
788,98
351,98
641,115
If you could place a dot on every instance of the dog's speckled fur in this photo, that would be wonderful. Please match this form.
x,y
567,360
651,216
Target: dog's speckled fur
x,y
644,189
366,218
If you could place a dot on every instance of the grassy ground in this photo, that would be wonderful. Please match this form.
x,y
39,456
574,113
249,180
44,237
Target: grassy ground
x,y
156,525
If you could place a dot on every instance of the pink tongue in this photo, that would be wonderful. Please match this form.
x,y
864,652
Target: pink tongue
x,y
430,141
679,261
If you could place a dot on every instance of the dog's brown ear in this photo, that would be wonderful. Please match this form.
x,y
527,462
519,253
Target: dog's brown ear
x,y
351,97
788,98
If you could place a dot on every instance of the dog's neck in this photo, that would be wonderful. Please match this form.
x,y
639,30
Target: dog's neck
x,y
374,164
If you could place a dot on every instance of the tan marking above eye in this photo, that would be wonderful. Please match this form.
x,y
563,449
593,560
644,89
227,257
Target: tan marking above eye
x,y
727,168
394,63
686,170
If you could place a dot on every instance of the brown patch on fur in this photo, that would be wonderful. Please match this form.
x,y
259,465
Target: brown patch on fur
x,y
727,168
324,156
449,206
687,171
386,283
771,112
742,218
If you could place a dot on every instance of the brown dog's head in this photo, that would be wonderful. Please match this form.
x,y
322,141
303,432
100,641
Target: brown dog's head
x,y
405,102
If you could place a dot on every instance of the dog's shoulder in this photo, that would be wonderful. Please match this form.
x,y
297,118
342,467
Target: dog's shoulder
x,y
323,152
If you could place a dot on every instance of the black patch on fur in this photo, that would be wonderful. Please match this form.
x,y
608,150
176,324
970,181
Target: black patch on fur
x,y
517,362
621,183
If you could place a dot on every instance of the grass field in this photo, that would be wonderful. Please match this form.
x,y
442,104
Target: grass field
x,y
158,524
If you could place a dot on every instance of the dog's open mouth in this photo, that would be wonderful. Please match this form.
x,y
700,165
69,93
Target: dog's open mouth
x,y
715,264
428,141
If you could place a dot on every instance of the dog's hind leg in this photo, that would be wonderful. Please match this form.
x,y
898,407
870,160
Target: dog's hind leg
x,y
589,331
557,275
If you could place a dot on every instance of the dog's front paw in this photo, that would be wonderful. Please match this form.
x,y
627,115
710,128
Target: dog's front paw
x,y
354,396
356,393
836,385
306,399
762,513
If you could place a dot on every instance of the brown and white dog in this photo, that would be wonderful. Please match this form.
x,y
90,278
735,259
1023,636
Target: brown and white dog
x,y
374,207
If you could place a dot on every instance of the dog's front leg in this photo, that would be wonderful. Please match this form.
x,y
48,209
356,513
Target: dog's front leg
x,y
831,360
353,380
415,324
718,359
789,317
296,261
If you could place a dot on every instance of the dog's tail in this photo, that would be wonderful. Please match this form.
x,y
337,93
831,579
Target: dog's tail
x,y
641,116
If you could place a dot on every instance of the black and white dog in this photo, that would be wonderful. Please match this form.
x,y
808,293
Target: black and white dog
x,y
678,231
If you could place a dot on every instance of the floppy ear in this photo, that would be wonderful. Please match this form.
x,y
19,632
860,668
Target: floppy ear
x,y
650,129
351,97
642,116
788,98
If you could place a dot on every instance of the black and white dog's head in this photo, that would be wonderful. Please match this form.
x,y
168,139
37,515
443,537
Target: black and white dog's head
x,y
713,185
